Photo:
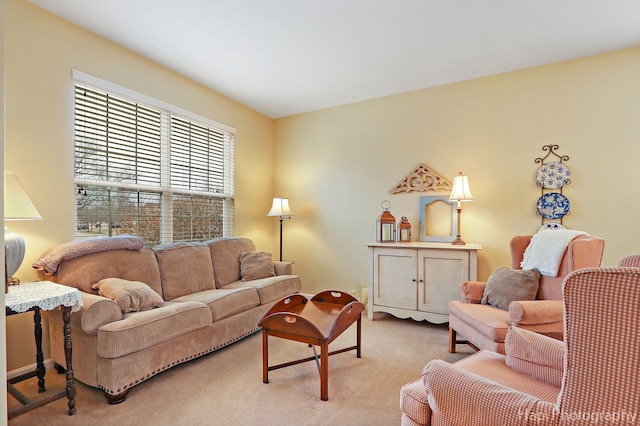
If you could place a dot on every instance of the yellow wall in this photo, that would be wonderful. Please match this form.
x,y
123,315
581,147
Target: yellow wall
x,y
337,165
41,50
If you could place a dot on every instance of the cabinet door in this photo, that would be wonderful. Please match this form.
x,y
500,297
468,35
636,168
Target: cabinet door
x,y
394,278
440,273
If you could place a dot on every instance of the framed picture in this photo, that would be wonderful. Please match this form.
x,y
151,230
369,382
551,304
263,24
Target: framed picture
x,y
438,219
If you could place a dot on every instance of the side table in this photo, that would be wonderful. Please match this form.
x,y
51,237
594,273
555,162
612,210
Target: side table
x,y
36,296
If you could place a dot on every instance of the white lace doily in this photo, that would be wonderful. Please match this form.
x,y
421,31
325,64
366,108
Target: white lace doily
x,y
44,294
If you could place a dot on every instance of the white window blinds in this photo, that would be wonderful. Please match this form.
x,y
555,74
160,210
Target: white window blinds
x,y
145,170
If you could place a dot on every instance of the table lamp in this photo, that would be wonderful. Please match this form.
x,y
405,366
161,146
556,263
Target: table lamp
x,y
17,206
460,192
280,207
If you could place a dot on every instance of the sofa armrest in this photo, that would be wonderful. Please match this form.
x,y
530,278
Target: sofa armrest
x,y
96,312
456,396
472,291
283,267
535,312
535,355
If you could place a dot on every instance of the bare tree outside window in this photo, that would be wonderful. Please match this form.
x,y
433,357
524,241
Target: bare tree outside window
x,y
143,171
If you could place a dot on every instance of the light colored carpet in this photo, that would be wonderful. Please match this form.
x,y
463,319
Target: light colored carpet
x,y
225,387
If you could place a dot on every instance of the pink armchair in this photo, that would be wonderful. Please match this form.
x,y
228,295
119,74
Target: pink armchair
x,y
591,377
485,326
632,261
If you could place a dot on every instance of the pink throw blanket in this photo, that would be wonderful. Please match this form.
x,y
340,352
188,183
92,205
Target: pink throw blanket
x,y
50,259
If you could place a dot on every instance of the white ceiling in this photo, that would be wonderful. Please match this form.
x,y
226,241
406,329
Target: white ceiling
x,y
283,57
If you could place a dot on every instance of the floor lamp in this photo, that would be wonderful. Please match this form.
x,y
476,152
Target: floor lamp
x,y
280,208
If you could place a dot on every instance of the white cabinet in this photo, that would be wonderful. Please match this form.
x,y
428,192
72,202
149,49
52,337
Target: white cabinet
x,y
417,280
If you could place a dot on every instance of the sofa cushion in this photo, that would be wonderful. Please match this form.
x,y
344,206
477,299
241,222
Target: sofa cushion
x,y
225,256
131,296
506,285
224,302
140,330
272,288
185,268
255,265
133,265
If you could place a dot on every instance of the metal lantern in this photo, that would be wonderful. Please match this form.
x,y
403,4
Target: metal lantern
x,y
404,230
386,225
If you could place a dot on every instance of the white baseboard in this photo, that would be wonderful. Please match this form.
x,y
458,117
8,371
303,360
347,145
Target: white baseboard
x,y
48,363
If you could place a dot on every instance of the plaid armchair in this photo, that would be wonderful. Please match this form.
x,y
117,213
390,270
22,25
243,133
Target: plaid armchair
x,y
591,377
632,261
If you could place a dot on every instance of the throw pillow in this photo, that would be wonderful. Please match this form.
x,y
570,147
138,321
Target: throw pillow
x,y
131,296
255,265
506,285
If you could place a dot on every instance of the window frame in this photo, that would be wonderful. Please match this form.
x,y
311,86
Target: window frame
x,y
166,191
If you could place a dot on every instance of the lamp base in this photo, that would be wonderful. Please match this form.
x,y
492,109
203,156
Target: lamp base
x,y
458,242
13,251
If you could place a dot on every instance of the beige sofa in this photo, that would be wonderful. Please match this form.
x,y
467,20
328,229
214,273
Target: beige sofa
x,y
206,305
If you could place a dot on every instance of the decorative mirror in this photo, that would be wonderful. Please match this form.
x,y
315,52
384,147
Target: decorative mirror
x,y
438,219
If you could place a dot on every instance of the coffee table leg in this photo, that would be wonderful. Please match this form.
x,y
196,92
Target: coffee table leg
x,y
359,338
324,370
265,356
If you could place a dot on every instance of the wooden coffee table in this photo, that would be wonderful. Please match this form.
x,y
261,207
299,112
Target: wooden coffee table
x,y
318,322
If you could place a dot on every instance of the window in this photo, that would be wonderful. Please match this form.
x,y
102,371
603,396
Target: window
x,y
149,169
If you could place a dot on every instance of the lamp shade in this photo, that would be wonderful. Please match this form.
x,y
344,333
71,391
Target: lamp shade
x,y
461,191
17,204
280,207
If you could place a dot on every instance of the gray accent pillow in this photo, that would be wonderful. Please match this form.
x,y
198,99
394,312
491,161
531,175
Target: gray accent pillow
x,y
506,285
131,296
255,265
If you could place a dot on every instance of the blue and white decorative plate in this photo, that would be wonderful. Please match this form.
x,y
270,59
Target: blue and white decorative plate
x,y
553,175
553,205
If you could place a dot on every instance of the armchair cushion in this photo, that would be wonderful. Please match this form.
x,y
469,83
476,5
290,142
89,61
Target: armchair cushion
x,y
414,405
255,265
529,312
475,321
131,296
458,396
535,355
506,285
472,291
